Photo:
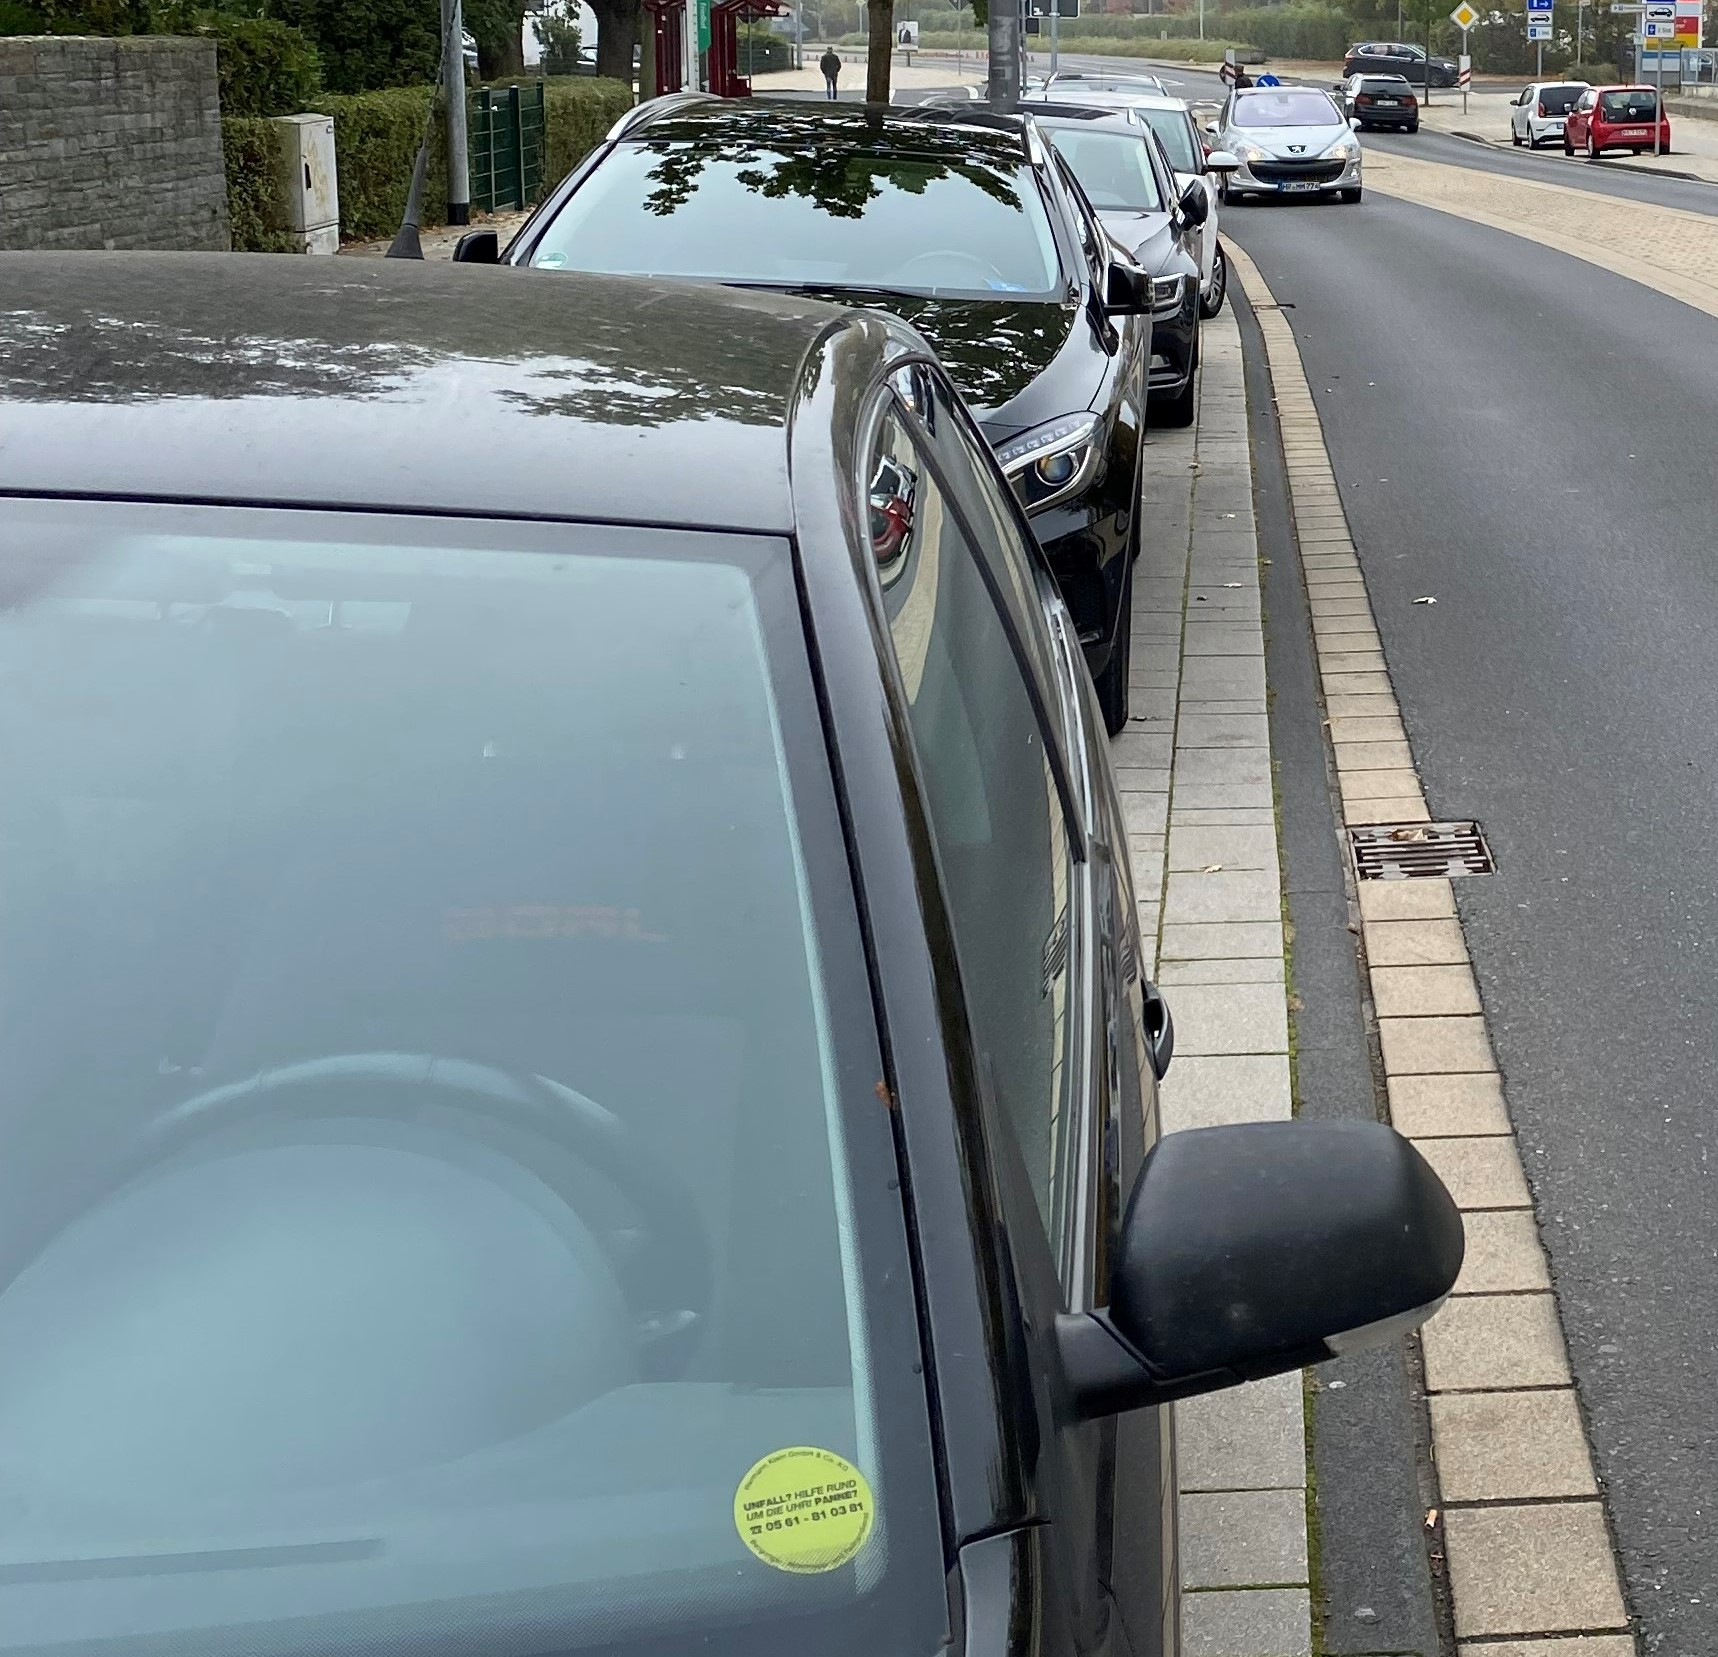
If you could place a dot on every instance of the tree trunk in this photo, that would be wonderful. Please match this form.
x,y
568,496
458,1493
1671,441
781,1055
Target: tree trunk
x,y
501,60
617,34
879,49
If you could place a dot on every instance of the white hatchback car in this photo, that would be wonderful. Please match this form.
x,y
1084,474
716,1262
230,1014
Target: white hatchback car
x,y
1537,114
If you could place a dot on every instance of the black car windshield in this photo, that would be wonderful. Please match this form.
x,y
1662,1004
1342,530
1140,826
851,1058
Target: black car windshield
x,y
1638,104
954,226
1107,83
1559,100
1391,86
443,1199
1285,108
1114,168
1174,129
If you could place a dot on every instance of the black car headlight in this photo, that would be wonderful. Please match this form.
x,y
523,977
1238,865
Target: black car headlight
x,y
1052,462
1167,294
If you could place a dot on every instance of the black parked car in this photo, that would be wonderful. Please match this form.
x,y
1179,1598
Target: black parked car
x,y
578,1073
961,222
1126,177
1397,57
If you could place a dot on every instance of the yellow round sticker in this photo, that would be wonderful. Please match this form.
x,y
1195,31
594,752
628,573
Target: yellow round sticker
x,y
804,1510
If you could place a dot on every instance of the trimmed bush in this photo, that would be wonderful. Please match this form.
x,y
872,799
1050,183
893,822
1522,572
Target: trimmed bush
x,y
266,67
760,51
376,138
577,111
250,150
368,45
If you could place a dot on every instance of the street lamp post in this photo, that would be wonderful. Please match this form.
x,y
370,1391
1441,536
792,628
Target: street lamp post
x,y
453,85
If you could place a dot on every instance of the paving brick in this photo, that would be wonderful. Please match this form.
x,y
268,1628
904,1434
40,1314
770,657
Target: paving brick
x,y
1222,767
1223,940
1406,900
1540,1569
1138,751
1503,1254
1489,1342
1373,756
1231,895
1230,1018
1145,813
1510,1446
1268,1622
1371,705
1245,730
1248,1438
1357,812
1410,992
1426,943
1480,1173
1258,970
1243,1538
1196,849
1422,1046
1588,1645
1400,784
1448,1107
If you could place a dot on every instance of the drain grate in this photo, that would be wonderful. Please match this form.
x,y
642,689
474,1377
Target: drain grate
x,y
1407,851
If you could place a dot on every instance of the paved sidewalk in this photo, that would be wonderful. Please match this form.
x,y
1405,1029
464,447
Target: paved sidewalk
x,y
1195,766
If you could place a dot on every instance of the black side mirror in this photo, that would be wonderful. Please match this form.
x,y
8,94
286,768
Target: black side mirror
x,y
1195,208
478,247
1250,1250
1127,290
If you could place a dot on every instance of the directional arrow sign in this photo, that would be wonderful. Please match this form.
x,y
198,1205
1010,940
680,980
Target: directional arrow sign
x,y
1464,16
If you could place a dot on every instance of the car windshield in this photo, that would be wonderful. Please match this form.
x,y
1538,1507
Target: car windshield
x,y
1286,108
1637,104
822,216
1559,100
441,1179
1114,168
1391,86
1174,130
1107,83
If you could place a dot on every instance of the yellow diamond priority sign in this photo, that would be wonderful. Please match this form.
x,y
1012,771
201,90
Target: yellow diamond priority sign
x,y
1464,16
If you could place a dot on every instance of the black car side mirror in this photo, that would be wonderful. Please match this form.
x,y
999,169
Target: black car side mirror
x,y
478,247
1259,1248
1194,205
1127,290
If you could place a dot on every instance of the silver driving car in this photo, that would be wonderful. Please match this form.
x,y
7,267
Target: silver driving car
x,y
1289,140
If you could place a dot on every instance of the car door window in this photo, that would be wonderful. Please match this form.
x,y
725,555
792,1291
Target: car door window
x,y
1004,841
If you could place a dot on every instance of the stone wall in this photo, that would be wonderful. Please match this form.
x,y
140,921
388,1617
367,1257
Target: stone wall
x,y
110,143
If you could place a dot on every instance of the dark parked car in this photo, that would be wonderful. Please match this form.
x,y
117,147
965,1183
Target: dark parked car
x,y
960,222
1120,166
1397,57
578,1071
1381,101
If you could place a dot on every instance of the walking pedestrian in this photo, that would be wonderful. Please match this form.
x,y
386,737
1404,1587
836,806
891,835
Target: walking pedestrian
x,y
830,64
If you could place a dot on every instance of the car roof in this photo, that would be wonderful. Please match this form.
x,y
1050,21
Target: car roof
x,y
355,382
1061,117
768,123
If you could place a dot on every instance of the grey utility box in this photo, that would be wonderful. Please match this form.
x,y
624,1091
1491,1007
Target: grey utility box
x,y
308,184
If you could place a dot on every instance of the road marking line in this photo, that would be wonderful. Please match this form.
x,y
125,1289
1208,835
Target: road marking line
x,y
1541,1566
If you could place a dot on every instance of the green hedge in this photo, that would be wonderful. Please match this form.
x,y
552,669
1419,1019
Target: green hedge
x,y
376,136
248,147
579,109
761,51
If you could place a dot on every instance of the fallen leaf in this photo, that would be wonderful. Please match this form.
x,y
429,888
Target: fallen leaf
x,y
1213,868
1428,599
1412,832
1228,514
1198,598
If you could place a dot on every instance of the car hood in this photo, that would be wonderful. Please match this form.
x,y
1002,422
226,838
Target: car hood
x,y
1312,142
1149,237
993,349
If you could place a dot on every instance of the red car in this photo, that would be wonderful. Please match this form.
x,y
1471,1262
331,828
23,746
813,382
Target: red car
x,y
1615,118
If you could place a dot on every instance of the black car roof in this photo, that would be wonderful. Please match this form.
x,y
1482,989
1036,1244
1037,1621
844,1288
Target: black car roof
x,y
773,123
402,384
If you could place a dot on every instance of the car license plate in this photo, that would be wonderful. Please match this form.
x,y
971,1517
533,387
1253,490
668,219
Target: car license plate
x,y
1301,184
1385,103
1635,132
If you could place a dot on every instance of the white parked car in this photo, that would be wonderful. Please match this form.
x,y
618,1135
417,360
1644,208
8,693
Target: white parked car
x,y
1172,120
1288,140
1537,114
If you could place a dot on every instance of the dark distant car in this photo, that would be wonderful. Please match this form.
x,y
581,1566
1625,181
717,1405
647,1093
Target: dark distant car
x,y
624,1119
1120,165
1616,118
960,221
1382,101
1397,57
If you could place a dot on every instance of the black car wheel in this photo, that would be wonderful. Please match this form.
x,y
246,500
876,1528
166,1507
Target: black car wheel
x,y
1112,682
1593,150
1568,148
1351,195
1515,138
1413,126
1211,303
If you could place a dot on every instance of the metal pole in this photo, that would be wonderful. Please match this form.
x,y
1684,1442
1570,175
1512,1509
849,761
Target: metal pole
x,y
1580,22
1004,40
1539,60
799,35
1658,99
1428,60
453,85
1469,59
1201,19
1055,18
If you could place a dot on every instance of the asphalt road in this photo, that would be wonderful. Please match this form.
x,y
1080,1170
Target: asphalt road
x,y
1527,439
